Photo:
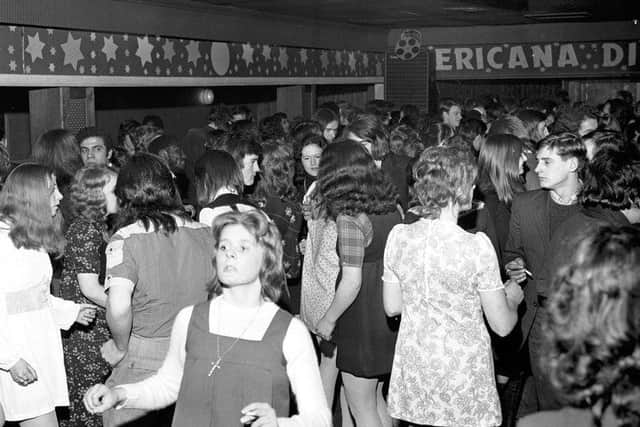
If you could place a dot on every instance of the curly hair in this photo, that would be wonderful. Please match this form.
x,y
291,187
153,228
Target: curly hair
x,y
271,128
272,275
349,182
86,195
444,175
26,207
611,180
148,193
278,169
593,327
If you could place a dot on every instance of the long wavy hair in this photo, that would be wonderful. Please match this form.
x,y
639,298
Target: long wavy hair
x,y
278,170
86,196
444,175
499,166
58,149
349,182
147,193
272,276
25,204
593,329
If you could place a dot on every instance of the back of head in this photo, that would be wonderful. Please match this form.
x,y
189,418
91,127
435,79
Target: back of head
x,y
147,193
593,328
534,122
162,142
509,125
59,150
305,128
214,170
278,170
367,127
499,166
324,116
153,120
87,197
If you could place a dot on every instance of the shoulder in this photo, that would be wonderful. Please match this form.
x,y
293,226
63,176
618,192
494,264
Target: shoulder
x,y
529,199
355,224
567,417
135,229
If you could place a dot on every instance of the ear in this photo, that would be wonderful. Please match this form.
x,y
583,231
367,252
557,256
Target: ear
x,y
573,164
540,127
109,154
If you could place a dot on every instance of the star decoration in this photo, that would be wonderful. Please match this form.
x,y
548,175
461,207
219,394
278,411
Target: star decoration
x,y
352,61
193,50
92,36
247,53
52,67
126,52
144,50
338,58
324,59
266,52
93,54
52,51
12,65
12,28
303,56
11,49
125,37
72,53
109,48
34,47
283,58
50,31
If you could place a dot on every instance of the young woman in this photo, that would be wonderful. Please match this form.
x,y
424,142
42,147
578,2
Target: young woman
x,y
92,198
308,152
329,123
238,346
441,278
219,186
32,375
358,196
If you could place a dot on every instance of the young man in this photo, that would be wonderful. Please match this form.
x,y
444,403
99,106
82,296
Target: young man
x,y
95,147
246,152
451,113
535,216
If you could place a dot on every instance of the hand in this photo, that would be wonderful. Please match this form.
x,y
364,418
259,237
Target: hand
x,y
86,314
99,398
324,328
191,210
23,373
516,271
302,246
514,292
259,415
111,353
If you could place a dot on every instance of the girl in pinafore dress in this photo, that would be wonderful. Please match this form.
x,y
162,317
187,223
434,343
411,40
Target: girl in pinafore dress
x,y
232,359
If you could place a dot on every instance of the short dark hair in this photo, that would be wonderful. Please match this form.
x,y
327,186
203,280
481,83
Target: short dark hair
x,y
445,104
239,147
148,193
94,132
153,120
369,127
566,144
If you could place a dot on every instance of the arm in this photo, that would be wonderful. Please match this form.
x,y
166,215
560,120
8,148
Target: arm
x,y
10,352
514,250
119,314
391,289
304,376
92,289
346,294
501,312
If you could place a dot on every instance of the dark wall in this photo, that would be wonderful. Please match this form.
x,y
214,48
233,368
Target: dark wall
x,y
517,89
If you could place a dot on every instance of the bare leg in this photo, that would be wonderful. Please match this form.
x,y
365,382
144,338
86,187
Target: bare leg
x,y
383,412
344,409
1,416
361,395
329,375
46,420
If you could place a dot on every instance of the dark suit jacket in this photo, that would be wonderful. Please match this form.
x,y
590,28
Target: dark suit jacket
x,y
529,239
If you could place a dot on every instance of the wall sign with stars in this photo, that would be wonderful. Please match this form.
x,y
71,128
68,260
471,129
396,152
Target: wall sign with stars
x,y
527,60
43,51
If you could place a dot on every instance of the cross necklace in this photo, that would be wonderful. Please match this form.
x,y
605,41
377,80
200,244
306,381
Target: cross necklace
x,y
216,365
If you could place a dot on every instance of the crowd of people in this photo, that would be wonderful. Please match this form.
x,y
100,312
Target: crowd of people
x,y
374,266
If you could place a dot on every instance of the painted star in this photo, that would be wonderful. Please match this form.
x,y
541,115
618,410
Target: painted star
x,y
11,49
324,59
144,50
193,50
303,56
53,51
125,37
109,48
12,28
12,65
93,54
92,36
34,48
352,61
283,58
72,52
52,67
266,51
247,54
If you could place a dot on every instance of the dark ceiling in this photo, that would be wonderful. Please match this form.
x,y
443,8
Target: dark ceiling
x,y
429,13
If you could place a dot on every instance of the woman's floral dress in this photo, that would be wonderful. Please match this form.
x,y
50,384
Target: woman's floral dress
x,y
443,367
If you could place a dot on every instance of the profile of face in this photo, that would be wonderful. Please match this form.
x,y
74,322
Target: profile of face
x,y
250,168
310,158
94,151
54,195
239,256
330,131
553,171
111,201
453,117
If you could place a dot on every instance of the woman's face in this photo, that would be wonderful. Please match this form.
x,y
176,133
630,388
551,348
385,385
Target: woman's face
x,y
239,256
54,195
330,131
111,201
311,159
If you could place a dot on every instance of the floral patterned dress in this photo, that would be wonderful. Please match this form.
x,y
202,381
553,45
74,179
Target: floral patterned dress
x,y
84,363
443,367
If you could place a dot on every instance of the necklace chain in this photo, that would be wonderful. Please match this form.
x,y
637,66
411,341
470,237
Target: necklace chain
x,y
216,365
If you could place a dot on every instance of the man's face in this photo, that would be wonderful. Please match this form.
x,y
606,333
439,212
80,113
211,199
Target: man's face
x,y
553,171
249,168
453,117
94,151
